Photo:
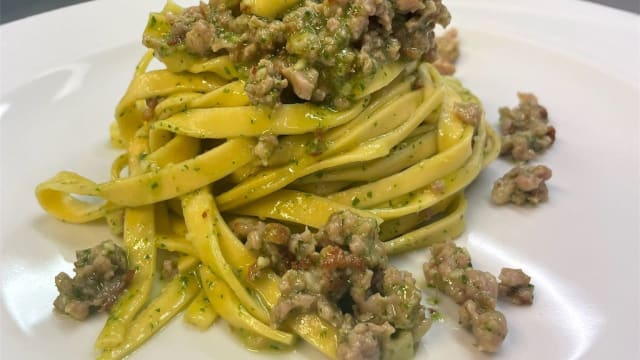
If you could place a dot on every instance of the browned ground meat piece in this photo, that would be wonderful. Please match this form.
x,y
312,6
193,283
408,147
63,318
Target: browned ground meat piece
x,y
242,226
323,48
364,341
470,113
268,241
526,129
449,270
516,285
299,289
445,269
405,6
265,83
341,273
169,268
303,82
448,52
303,244
489,327
265,147
358,234
198,39
397,302
522,185
481,287
101,276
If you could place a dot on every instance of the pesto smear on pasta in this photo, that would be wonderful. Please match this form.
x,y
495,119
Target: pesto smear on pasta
x,y
318,51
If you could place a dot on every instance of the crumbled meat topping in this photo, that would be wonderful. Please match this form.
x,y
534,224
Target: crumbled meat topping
x,y
450,271
448,52
265,147
522,185
101,275
322,48
364,341
341,273
265,83
516,285
469,113
526,129
169,268
268,241
438,186
489,327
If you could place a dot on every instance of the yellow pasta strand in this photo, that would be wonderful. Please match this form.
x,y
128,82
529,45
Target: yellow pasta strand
x,y
200,216
176,244
174,297
55,194
139,241
449,227
427,196
269,8
424,172
200,313
403,155
265,183
296,207
226,304
213,123
310,327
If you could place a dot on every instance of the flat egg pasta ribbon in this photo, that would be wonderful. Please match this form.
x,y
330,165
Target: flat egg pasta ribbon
x,y
256,120
174,297
225,302
139,242
200,313
369,123
317,332
200,216
170,181
297,207
450,226
402,156
269,8
412,178
213,123
147,85
265,183
228,95
392,228
451,183
308,326
454,145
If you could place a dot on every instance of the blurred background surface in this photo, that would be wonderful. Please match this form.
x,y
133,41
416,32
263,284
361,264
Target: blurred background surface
x,y
11,10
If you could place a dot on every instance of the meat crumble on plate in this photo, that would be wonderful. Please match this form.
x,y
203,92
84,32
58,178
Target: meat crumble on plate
x,y
450,270
101,275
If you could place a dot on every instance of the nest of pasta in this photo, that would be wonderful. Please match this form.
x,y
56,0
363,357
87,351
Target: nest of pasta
x,y
198,151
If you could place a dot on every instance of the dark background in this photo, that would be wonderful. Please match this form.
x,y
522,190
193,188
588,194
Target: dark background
x,y
16,9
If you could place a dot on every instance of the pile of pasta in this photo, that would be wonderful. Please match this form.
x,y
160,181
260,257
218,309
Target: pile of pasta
x,y
400,154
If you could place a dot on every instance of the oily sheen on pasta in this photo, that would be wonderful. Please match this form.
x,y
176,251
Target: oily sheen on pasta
x,y
397,144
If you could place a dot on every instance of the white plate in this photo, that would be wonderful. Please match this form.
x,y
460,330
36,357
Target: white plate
x,y
63,72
